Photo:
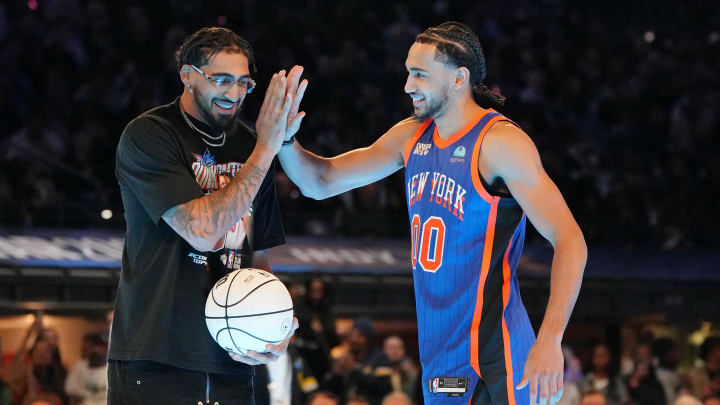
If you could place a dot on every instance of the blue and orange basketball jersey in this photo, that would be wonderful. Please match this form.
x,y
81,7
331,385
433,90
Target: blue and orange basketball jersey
x,y
466,244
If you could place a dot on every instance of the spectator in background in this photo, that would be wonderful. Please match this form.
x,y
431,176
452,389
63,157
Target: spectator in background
x,y
310,337
572,376
44,399
705,380
563,79
667,353
5,391
405,371
323,398
713,400
43,379
358,400
643,385
87,381
687,399
573,366
40,370
319,302
397,398
288,380
594,398
85,348
603,377
51,335
362,369
571,395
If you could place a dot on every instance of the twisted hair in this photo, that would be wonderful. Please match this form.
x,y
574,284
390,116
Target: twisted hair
x,y
198,48
456,45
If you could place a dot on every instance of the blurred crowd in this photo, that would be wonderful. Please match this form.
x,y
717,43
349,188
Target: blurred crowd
x,y
351,362
37,374
622,100
360,366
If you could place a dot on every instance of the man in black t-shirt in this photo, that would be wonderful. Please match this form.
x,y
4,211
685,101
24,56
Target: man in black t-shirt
x,y
185,229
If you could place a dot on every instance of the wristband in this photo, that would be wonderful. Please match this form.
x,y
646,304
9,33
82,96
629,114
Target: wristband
x,y
289,141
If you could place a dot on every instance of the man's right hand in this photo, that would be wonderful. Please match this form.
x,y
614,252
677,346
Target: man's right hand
x,y
271,124
297,89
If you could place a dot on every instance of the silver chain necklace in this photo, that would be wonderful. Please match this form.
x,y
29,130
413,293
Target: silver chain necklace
x,y
217,145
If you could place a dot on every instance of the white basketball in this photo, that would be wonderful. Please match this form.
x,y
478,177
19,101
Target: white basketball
x,y
247,309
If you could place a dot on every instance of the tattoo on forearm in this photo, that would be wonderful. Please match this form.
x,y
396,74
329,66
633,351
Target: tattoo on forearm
x,y
214,214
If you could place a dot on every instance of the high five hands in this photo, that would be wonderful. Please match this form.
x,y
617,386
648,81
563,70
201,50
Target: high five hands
x,y
279,118
296,89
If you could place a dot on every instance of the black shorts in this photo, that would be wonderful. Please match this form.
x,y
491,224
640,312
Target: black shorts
x,y
148,382
493,390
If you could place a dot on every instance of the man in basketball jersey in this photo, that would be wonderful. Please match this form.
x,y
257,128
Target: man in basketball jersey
x,y
189,171
472,179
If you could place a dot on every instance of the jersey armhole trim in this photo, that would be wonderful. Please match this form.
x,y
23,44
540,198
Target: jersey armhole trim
x,y
474,170
418,133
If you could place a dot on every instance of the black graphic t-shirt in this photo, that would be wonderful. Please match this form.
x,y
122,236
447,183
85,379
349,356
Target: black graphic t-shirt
x,y
160,305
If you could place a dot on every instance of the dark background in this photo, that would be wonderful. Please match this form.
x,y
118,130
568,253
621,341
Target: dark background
x,y
621,98
622,101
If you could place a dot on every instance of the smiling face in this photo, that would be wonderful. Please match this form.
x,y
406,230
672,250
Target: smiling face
x,y
429,82
213,105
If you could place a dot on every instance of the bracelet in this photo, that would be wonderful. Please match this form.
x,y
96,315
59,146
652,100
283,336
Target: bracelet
x,y
289,141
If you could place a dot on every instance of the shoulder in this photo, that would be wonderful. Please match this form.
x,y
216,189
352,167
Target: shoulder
x,y
150,136
407,127
154,121
401,134
507,150
506,135
143,133
141,125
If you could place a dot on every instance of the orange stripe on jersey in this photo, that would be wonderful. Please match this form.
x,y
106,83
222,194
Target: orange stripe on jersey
x,y
484,270
418,133
444,143
475,170
505,332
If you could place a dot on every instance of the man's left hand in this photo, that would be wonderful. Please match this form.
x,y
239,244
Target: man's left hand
x,y
273,352
544,372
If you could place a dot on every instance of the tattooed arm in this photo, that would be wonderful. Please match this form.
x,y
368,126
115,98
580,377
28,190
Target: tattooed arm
x,y
203,221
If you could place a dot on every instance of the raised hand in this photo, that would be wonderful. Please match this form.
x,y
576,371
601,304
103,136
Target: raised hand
x,y
296,88
272,122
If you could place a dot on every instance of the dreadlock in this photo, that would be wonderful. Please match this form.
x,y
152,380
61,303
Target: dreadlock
x,y
457,45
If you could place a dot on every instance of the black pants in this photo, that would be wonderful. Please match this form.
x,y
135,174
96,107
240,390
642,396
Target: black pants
x,y
147,382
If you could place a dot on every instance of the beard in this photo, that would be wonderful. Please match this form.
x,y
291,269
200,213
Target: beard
x,y
217,124
433,106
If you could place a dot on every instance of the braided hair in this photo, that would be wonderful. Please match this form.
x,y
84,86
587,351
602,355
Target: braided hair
x,y
457,45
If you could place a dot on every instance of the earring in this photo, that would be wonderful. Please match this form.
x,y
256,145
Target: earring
x,y
190,89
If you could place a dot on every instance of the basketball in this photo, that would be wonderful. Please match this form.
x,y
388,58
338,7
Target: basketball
x,y
247,309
